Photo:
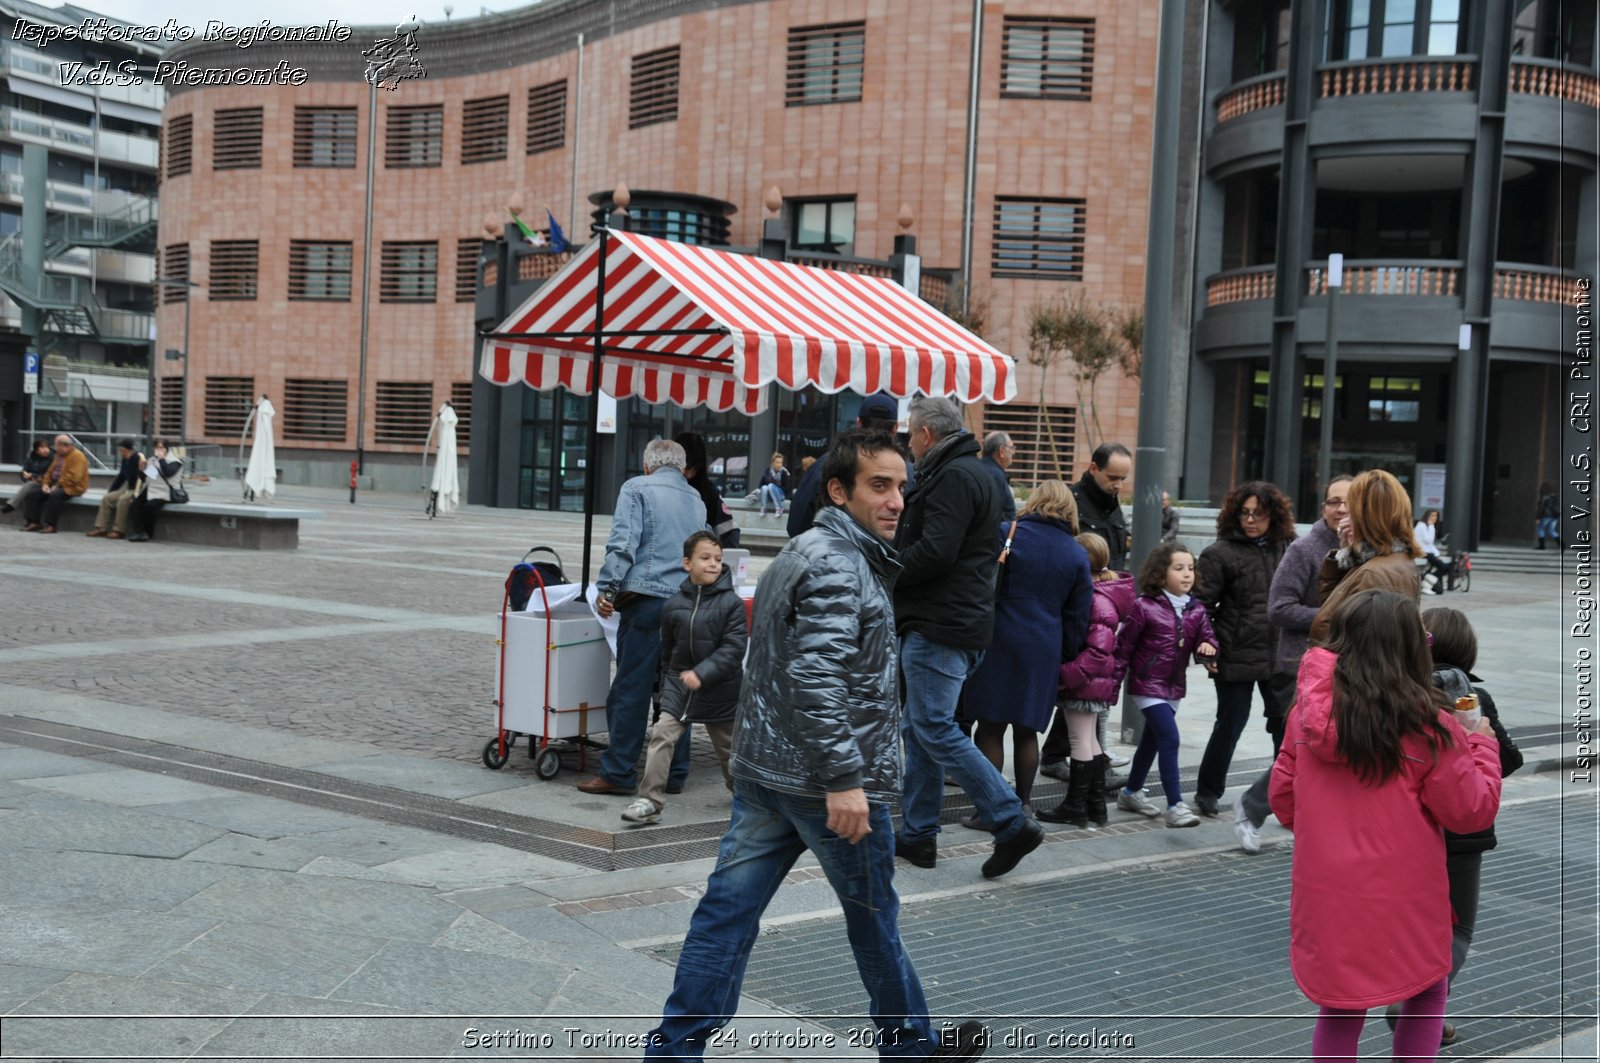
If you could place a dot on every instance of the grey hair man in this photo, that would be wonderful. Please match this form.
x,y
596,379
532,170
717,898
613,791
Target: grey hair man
x,y
998,450
643,567
949,543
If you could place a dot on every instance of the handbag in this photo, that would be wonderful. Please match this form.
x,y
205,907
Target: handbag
x,y
176,495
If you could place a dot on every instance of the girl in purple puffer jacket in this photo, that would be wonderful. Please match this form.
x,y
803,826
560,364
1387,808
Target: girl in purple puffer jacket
x,y
1163,629
1089,684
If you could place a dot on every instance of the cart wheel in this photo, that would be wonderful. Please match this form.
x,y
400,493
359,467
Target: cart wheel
x,y
548,763
492,757
1464,581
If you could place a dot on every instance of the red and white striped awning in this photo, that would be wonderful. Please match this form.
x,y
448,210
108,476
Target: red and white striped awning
x,y
763,322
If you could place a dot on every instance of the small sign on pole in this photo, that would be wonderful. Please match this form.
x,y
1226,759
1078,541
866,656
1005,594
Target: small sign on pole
x,y
30,373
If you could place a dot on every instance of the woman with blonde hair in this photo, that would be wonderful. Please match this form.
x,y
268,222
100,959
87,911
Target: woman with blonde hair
x,y
1041,618
1377,547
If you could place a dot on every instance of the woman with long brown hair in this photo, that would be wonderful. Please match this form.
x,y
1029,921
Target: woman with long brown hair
x,y
1372,767
1377,548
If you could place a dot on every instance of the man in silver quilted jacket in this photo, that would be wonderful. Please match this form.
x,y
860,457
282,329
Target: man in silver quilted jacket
x,y
816,761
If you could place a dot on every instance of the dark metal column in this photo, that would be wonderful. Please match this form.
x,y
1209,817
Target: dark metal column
x,y
1150,459
1297,197
1480,223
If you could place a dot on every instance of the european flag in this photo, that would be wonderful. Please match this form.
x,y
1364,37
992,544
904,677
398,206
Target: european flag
x,y
558,239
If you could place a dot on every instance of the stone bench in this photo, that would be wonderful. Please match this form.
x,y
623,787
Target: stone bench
x,y
195,523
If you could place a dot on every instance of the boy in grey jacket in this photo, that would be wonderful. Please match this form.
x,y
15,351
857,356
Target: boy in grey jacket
x,y
703,638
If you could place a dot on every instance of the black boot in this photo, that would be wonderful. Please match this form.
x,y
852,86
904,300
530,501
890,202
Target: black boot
x,y
1541,542
1095,800
1071,809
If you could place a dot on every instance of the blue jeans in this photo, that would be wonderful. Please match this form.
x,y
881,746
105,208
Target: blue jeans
x,y
771,493
768,833
933,675
1548,528
628,703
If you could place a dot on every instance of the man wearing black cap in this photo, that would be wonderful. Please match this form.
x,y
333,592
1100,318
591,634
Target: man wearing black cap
x,y
882,412
112,520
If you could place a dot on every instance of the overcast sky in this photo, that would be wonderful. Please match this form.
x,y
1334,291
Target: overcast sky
x,y
197,13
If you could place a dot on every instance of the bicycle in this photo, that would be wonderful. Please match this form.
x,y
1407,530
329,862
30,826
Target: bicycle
x,y
1458,573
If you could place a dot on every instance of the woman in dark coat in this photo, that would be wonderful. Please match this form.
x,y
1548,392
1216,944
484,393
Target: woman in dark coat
x,y
1234,575
718,516
1041,617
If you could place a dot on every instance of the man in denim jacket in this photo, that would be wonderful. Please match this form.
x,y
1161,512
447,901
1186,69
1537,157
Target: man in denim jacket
x,y
643,567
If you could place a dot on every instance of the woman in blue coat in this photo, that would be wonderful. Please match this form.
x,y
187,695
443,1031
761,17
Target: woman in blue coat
x,y
1041,617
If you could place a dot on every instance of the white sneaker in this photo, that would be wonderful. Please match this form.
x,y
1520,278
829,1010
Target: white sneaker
x,y
1119,761
1139,802
1248,833
1178,815
642,810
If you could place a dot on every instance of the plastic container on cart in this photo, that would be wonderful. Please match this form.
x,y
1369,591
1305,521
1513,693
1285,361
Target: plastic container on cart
x,y
738,562
575,660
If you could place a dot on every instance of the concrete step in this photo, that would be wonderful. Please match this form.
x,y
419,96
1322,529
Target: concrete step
x,y
1524,560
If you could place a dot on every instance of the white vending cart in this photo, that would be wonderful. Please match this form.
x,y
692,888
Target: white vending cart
x,y
554,669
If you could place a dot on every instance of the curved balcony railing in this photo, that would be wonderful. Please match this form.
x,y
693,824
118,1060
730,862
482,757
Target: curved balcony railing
x,y
1391,277
1242,285
1546,77
1512,281
1257,94
1416,73
1534,284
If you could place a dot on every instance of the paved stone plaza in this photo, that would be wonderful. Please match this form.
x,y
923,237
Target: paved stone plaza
x,y
247,786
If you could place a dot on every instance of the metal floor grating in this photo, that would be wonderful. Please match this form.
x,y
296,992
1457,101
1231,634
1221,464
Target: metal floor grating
x,y
1189,958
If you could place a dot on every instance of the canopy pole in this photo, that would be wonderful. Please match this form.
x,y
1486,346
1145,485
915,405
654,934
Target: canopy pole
x,y
591,459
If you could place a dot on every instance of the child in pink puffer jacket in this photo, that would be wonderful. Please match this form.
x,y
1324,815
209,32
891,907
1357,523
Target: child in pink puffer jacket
x,y
1089,685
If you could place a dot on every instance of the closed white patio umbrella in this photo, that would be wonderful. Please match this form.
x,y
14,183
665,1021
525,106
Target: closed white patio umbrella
x,y
446,485
261,475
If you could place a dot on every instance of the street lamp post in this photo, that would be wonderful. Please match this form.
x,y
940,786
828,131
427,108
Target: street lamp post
x,y
1330,368
183,408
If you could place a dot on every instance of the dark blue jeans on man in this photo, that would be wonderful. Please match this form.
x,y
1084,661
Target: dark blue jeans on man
x,y
933,675
628,703
769,831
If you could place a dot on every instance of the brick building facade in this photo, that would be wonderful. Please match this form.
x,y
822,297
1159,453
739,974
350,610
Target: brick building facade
x,y
853,108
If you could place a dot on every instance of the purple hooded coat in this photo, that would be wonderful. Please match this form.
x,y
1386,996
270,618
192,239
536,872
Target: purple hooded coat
x,y
1155,651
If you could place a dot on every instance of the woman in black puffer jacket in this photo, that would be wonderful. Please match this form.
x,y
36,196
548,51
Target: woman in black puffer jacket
x,y
1233,577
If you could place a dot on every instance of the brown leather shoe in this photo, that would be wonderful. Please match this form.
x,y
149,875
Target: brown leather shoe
x,y
114,535
602,785
98,533
32,527
48,529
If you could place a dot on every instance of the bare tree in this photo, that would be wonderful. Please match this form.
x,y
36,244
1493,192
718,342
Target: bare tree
x,y
1049,335
1128,323
975,318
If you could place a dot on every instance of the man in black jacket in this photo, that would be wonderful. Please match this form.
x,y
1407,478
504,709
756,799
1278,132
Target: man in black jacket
x,y
112,520
1099,496
949,544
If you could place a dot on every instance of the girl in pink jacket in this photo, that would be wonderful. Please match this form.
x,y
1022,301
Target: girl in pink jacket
x,y
1090,682
1371,773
